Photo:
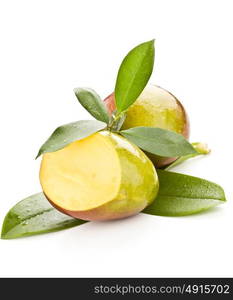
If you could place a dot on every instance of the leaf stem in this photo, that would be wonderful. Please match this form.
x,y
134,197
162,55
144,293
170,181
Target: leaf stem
x,y
201,148
116,121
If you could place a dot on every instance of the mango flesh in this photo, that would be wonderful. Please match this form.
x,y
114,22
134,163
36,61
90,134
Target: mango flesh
x,y
155,107
101,177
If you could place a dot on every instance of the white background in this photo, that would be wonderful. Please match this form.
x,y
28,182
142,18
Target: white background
x,y
50,47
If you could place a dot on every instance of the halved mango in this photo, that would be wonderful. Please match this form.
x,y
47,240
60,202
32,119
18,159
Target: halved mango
x,y
101,177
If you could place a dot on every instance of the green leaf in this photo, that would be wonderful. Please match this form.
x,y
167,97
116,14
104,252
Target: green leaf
x,y
35,215
92,102
69,133
181,195
159,141
201,149
133,75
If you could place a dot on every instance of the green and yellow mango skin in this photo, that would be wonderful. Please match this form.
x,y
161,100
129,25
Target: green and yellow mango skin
x,y
155,107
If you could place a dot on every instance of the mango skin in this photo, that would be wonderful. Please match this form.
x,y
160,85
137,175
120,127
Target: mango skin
x,y
138,189
155,107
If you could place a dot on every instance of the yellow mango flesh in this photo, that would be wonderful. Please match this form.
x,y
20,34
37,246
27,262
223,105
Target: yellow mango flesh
x,y
78,171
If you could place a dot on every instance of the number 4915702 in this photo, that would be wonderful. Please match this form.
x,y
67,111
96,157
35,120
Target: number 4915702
x,y
208,289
